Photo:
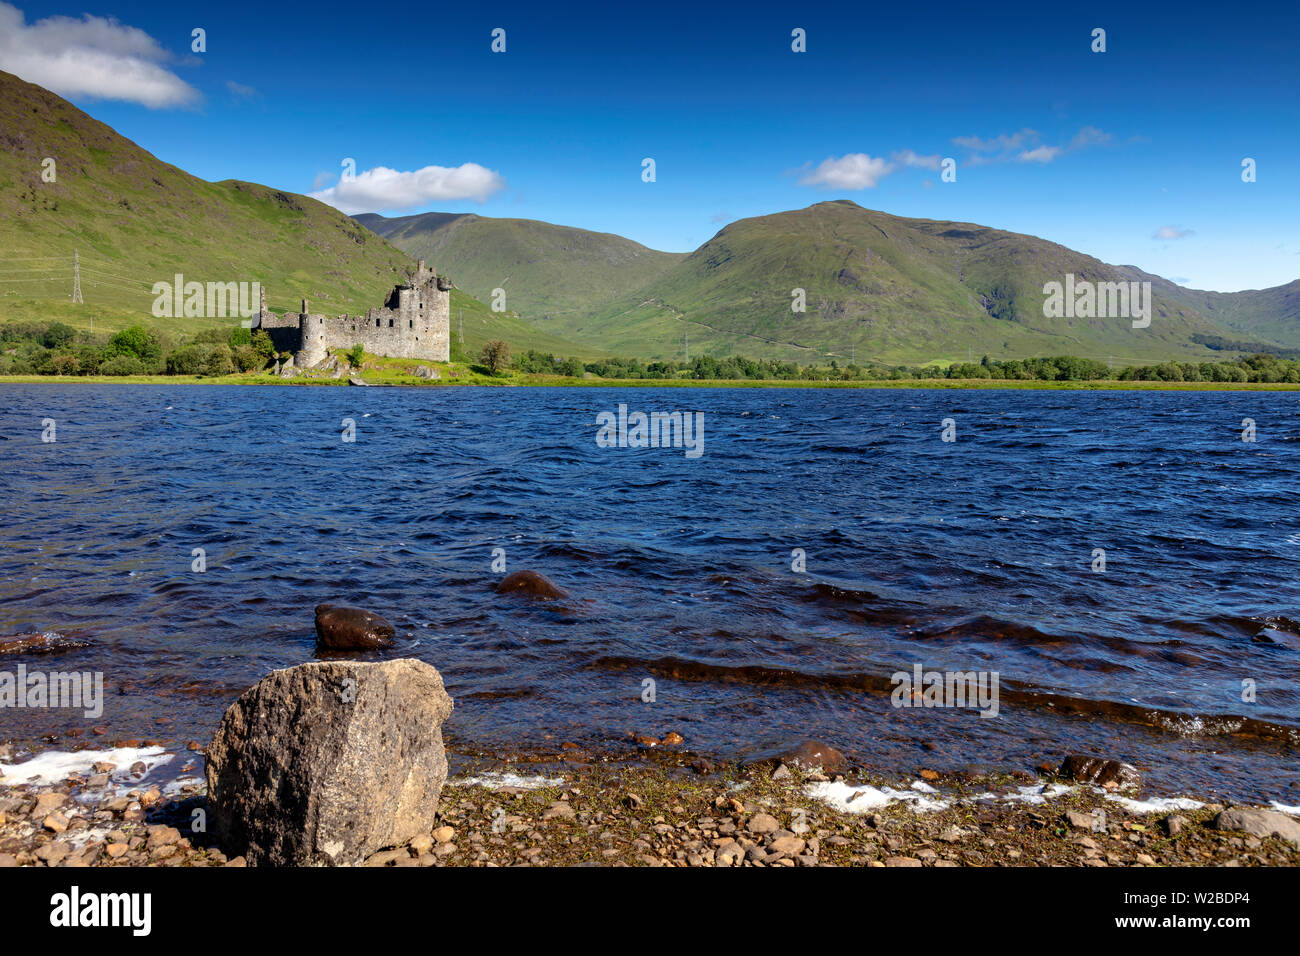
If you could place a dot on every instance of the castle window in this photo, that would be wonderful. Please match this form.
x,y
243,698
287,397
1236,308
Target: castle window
x,y
390,323
376,323
411,323
321,320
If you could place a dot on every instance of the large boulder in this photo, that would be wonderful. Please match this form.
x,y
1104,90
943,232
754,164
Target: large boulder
x,y
351,629
326,763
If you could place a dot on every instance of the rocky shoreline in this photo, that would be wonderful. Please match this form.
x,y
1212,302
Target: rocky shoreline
x,y
679,811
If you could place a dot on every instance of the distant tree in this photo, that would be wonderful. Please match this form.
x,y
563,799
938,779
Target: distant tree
x,y
496,356
58,336
137,341
356,355
65,363
121,365
262,344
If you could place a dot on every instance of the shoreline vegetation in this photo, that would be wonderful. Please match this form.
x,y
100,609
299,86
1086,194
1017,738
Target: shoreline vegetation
x,y
36,352
679,810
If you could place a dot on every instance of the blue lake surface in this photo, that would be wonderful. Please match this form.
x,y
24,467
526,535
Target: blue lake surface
x,y
971,555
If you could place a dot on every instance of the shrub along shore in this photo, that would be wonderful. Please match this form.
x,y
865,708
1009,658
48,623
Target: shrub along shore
x,y
36,352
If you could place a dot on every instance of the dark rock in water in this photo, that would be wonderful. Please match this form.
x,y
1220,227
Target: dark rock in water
x,y
1103,773
1260,823
351,629
532,584
814,753
47,643
329,762
809,755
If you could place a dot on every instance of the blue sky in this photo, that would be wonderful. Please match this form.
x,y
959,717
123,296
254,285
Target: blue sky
x,y
1132,155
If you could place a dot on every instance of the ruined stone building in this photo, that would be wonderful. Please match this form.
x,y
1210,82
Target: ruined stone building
x,y
414,322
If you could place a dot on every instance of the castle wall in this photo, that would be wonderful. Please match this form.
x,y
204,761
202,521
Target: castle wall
x,y
406,333
414,323
284,330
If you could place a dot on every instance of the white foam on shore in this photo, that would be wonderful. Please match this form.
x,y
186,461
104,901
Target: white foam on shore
x,y
1035,793
1154,805
866,798
1283,808
494,780
54,766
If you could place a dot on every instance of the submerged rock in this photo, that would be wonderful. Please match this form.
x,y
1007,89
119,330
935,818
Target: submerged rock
x,y
351,629
47,643
810,755
1103,773
530,583
329,762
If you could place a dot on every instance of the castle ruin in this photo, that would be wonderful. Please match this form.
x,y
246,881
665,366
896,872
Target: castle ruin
x,y
414,322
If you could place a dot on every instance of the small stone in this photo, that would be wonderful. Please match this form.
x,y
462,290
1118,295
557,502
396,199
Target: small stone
x,y
672,738
162,836
1081,821
782,772
444,834
788,845
115,850
52,853
56,822
761,823
1175,825
729,854
103,766
423,843
47,803
902,861
558,809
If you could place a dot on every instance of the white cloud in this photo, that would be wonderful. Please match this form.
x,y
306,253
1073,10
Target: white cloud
x,y
1040,154
851,171
382,188
1026,146
907,157
1172,232
1000,143
91,57
241,92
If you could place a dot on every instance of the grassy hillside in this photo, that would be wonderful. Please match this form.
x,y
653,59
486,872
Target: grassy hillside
x,y
549,273
879,288
1272,314
135,220
479,324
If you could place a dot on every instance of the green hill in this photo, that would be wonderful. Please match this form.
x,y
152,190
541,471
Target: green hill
x,y
880,288
1272,314
135,220
551,275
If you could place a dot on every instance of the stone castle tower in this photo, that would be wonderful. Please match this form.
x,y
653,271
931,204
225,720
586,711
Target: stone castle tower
x,y
414,322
